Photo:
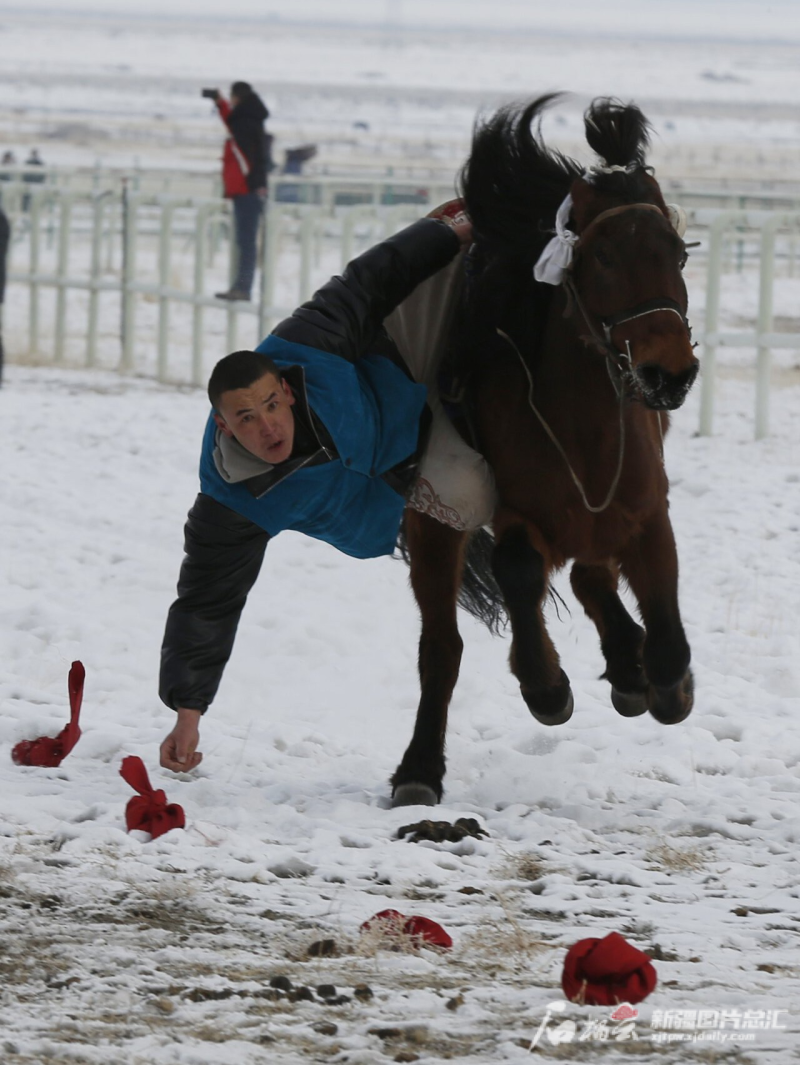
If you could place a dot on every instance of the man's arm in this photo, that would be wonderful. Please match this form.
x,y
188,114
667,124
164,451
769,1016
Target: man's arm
x,y
344,316
224,108
223,557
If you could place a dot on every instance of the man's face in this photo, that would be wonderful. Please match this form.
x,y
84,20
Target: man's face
x,y
260,417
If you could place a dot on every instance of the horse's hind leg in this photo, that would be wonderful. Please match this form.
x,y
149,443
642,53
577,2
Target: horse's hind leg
x,y
621,639
521,571
651,569
436,553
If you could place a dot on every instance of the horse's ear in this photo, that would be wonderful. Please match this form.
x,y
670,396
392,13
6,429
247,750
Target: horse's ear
x,y
677,217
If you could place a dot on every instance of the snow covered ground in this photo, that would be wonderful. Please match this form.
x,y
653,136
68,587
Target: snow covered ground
x,y
118,949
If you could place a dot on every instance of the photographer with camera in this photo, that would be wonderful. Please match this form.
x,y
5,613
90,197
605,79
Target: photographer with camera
x,y
244,175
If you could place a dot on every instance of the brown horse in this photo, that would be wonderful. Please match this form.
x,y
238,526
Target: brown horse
x,y
567,385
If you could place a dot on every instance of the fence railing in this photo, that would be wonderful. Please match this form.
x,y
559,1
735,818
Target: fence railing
x,y
727,228
133,275
134,244
326,189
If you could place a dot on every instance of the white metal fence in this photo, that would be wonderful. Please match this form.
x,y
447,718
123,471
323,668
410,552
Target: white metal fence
x,y
144,268
130,275
756,234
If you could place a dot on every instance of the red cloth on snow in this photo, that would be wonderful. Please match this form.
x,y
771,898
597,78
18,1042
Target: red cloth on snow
x,y
605,972
420,928
52,750
149,810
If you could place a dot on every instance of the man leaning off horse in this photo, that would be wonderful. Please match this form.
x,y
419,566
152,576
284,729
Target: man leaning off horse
x,y
331,427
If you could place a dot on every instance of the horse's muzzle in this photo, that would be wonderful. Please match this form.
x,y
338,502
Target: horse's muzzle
x,y
662,390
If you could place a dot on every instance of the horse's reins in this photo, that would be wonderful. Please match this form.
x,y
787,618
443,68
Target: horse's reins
x,y
557,444
606,345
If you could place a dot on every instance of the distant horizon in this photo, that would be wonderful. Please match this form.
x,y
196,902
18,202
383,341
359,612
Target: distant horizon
x,y
777,20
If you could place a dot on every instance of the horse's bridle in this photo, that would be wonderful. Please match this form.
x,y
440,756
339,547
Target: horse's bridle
x,y
606,345
640,310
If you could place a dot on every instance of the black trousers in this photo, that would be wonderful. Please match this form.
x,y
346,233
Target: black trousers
x,y
247,214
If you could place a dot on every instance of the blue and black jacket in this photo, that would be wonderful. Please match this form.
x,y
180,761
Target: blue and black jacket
x,y
368,417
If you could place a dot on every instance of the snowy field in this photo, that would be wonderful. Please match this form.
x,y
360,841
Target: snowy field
x,y
399,81
118,949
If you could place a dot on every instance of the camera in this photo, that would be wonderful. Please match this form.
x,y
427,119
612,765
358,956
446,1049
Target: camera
x,y
210,94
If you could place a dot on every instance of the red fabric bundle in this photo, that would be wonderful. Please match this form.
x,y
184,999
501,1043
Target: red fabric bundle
x,y
52,750
430,931
420,928
605,972
148,810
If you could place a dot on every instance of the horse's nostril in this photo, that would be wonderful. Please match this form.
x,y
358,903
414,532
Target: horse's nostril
x,y
680,383
651,378
689,376
661,389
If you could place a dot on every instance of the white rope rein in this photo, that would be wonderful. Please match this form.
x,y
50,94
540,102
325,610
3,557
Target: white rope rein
x,y
576,480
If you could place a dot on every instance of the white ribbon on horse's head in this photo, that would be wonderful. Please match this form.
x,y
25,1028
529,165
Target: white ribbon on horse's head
x,y
556,258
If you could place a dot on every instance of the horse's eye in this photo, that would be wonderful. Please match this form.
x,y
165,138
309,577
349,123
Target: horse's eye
x,y
602,257
683,259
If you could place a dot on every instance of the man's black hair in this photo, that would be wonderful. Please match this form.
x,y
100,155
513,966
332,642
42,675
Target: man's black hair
x,y
241,90
240,369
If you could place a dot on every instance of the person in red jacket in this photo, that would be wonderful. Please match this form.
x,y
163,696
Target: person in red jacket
x,y
244,176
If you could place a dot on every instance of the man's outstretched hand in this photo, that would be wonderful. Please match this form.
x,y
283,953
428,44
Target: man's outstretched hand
x,y
179,750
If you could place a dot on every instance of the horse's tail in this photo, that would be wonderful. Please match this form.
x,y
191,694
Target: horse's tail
x,y
479,593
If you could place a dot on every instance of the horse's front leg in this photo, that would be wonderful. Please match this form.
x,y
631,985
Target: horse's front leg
x,y
436,553
621,639
650,566
521,566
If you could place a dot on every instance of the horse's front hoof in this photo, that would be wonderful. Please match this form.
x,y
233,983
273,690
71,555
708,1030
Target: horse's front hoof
x,y
551,706
414,795
672,705
629,704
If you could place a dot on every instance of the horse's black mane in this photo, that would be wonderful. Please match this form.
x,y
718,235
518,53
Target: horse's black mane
x,y
513,184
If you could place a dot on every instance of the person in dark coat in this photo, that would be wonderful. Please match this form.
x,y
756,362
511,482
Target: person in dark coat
x,y
32,177
9,159
5,234
323,429
244,176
